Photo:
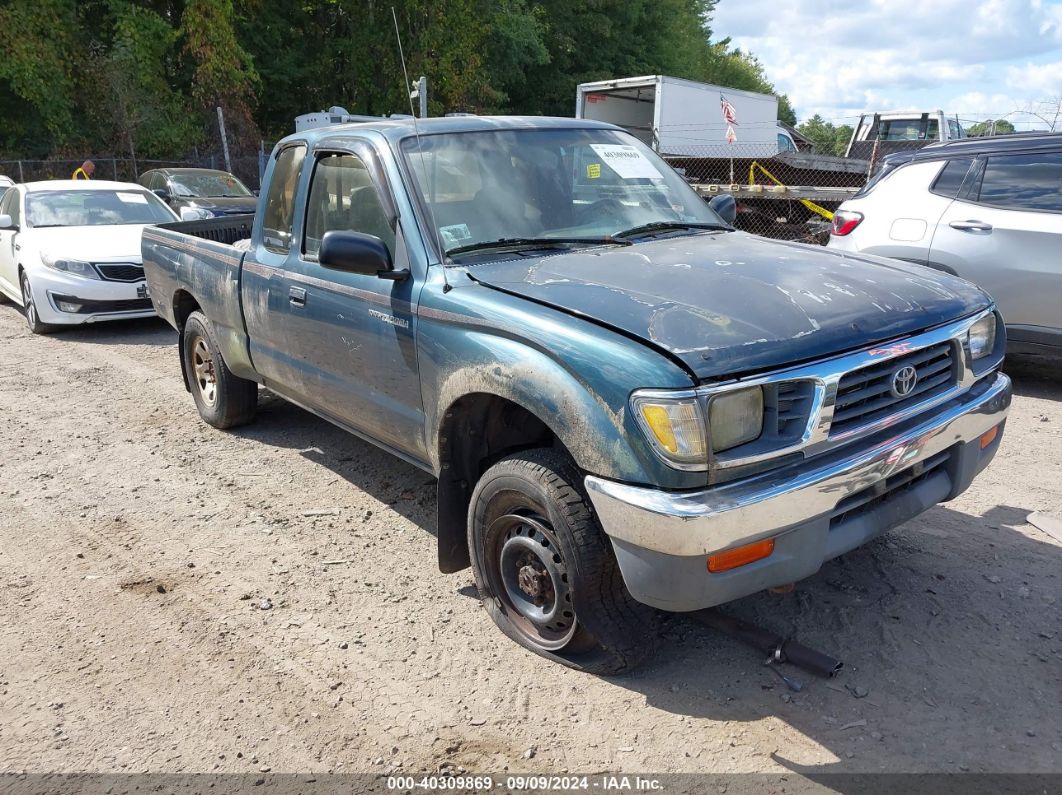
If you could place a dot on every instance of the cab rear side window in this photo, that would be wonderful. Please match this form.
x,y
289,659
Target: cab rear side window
x,y
1030,181
344,198
952,177
279,216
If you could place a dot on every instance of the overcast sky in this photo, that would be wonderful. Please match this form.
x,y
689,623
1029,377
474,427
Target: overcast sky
x,y
971,57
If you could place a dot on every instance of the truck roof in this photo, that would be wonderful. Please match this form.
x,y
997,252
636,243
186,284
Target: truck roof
x,y
397,129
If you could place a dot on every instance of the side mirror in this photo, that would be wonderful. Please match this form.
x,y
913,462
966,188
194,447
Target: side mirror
x,y
725,207
5,222
162,194
354,252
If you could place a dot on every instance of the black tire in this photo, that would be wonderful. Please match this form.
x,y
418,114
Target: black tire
x,y
224,400
546,572
29,308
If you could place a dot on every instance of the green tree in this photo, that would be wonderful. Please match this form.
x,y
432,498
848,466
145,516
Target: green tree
x,y
42,58
224,75
137,101
997,127
828,139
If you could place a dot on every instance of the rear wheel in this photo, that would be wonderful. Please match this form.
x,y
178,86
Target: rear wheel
x,y
29,309
224,400
547,573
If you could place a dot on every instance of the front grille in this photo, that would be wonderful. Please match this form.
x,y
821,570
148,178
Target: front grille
x,y
869,499
793,404
865,396
121,272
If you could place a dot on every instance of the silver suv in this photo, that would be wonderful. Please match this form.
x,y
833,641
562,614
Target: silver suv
x,y
986,209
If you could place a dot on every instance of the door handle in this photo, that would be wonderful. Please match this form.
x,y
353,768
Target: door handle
x,y
971,226
297,296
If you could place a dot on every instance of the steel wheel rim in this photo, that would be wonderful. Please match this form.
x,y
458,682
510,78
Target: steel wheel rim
x,y
203,369
27,301
528,574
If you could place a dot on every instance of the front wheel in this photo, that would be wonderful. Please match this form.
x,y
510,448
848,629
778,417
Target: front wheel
x,y
224,400
29,309
546,572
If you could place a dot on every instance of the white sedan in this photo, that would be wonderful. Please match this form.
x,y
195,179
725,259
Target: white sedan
x,y
70,251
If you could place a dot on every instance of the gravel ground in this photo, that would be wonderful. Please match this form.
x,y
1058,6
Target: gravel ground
x,y
178,599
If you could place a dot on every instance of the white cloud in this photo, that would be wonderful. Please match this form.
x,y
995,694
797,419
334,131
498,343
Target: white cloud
x,y
1042,80
881,54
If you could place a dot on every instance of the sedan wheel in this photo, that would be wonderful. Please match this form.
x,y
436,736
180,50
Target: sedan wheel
x,y
29,307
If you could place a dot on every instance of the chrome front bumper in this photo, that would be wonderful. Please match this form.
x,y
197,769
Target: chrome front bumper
x,y
655,529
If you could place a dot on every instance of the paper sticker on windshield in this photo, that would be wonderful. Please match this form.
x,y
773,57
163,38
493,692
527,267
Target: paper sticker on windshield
x,y
133,198
455,233
626,161
593,170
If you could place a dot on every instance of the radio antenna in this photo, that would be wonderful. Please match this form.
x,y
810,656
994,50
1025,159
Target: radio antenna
x,y
420,152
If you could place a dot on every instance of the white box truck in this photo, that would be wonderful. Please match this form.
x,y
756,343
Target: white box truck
x,y
684,118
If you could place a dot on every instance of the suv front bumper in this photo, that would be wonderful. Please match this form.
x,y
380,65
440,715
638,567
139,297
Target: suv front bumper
x,y
815,510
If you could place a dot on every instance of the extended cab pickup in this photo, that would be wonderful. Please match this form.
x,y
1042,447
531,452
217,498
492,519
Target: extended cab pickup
x,y
627,404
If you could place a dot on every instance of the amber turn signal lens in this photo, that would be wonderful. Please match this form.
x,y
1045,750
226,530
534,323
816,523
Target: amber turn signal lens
x,y
988,438
740,556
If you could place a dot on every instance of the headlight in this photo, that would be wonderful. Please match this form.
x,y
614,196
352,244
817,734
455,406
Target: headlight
x,y
75,266
195,214
735,418
675,428
982,337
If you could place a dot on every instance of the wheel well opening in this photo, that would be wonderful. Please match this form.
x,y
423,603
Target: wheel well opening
x,y
477,431
183,305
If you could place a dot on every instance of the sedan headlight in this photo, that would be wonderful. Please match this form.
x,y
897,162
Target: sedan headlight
x,y
674,426
981,338
195,214
735,418
74,266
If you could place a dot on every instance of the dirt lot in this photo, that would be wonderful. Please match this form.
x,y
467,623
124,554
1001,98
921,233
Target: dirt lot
x,y
138,548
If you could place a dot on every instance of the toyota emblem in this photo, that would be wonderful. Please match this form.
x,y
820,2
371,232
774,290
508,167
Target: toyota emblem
x,y
903,381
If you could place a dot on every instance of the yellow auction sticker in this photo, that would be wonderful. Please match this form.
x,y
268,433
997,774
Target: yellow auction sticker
x,y
593,170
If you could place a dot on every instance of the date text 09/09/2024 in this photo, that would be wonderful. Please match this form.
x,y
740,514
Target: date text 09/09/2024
x,y
524,783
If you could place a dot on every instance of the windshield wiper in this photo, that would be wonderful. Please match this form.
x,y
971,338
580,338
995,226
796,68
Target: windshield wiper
x,y
536,242
667,226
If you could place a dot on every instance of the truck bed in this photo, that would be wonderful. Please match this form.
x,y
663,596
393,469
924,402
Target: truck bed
x,y
228,229
198,258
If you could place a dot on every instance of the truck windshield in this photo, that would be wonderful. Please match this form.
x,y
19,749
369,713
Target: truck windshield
x,y
541,184
95,208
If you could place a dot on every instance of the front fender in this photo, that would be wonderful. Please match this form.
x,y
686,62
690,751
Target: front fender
x,y
590,429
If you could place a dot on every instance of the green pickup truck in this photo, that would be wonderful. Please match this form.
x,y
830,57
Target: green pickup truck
x,y
628,405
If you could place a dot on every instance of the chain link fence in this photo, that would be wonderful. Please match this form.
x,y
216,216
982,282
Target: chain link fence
x,y
125,169
789,195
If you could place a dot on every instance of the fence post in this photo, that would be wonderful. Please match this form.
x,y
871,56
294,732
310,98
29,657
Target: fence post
x,y
114,165
21,177
224,139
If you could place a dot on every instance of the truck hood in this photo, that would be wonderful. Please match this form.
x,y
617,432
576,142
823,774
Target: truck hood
x,y
114,243
731,303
